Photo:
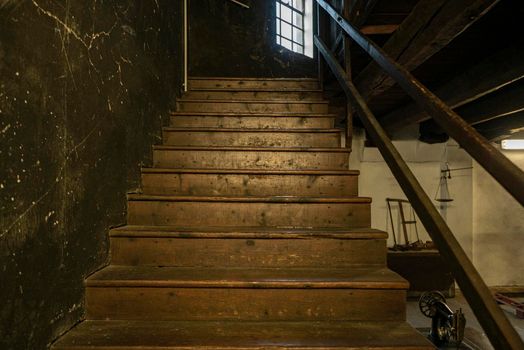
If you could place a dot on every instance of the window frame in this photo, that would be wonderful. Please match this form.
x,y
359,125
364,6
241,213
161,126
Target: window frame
x,y
294,45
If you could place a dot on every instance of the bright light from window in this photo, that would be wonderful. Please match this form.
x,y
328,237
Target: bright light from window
x,y
512,144
294,25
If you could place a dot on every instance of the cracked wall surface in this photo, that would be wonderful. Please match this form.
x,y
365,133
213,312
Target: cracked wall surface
x,y
85,88
228,40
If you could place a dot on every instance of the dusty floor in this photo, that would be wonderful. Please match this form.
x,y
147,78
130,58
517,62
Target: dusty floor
x,y
475,338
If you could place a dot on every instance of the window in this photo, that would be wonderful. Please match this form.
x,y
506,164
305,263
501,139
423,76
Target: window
x,y
293,25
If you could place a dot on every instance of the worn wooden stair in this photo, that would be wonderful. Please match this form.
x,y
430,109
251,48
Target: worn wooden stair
x,y
248,234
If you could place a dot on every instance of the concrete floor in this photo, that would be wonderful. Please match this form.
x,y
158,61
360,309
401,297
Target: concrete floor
x,y
475,338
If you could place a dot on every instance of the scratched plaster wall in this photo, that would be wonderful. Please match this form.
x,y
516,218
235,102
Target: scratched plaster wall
x,y
228,40
85,87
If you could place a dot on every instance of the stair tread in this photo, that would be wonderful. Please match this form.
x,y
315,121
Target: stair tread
x,y
248,171
203,100
168,335
260,149
374,277
264,130
255,114
246,232
260,89
248,199
254,78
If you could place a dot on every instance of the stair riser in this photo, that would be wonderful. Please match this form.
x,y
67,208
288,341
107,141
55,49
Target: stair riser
x,y
251,107
255,95
249,84
245,304
216,159
190,252
253,139
238,214
277,122
250,185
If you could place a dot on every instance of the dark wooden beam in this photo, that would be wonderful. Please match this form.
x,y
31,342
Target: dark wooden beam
x,y
499,330
430,26
357,13
507,101
346,12
379,29
491,74
500,128
360,11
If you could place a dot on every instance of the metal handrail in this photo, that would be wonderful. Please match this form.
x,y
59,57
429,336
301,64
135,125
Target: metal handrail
x,y
500,332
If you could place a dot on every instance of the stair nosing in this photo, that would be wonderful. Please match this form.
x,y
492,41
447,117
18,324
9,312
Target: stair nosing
x,y
254,130
249,171
308,278
138,231
261,89
264,114
194,100
319,335
254,79
254,149
246,199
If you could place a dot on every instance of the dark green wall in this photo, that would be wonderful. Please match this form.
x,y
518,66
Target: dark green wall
x,y
228,40
85,86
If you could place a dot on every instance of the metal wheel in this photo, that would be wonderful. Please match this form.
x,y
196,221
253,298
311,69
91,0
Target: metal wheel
x,y
427,300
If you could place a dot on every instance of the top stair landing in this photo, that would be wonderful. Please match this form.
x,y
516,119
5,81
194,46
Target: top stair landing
x,y
253,84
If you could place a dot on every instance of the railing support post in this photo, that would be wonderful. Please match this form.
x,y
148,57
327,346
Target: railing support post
x,y
322,32
349,74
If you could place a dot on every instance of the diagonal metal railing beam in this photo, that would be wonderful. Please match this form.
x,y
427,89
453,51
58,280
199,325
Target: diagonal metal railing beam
x,y
495,163
500,332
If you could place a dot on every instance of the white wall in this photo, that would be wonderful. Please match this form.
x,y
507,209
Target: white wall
x,y
488,223
498,228
377,182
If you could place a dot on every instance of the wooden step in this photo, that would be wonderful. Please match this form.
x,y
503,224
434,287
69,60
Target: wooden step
x,y
282,158
220,182
193,211
174,293
253,120
251,137
227,248
266,95
252,83
212,335
253,106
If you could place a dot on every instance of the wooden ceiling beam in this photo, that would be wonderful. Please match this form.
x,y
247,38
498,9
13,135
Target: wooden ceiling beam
x,y
507,101
500,128
429,27
358,14
491,74
360,11
379,29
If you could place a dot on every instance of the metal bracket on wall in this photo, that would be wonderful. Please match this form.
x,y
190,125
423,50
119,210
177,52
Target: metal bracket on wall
x,y
243,3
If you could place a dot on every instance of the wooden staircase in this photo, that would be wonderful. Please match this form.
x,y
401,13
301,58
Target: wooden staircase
x,y
249,234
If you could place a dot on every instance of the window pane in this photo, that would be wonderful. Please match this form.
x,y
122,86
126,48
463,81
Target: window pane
x,y
299,5
285,14
298,36
278,10
287,44
297,19
286,30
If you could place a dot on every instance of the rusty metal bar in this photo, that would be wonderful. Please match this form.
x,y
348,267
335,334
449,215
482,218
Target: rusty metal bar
x,y
495,163
500,332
